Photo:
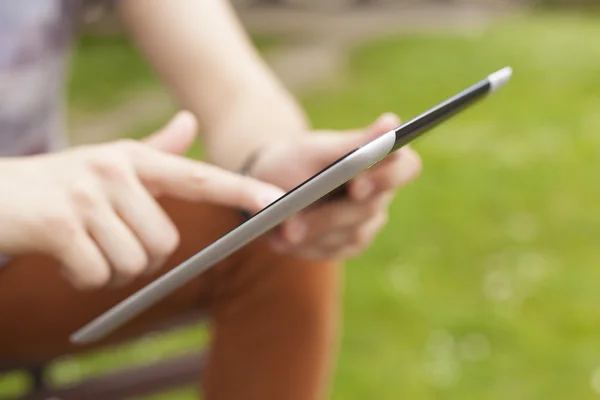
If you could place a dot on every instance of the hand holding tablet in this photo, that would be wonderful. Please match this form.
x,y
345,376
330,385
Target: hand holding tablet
x,y
328,182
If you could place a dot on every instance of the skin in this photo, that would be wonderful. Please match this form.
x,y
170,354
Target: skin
x,y
94,208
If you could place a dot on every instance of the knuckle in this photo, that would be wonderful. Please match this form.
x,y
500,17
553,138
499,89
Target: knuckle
x,y
84,194
199,177
200,174
110,167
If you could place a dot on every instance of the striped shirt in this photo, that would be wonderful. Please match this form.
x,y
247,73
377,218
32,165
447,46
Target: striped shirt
x,y
35,38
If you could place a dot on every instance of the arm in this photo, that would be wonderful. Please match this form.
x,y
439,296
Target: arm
x,y
202,52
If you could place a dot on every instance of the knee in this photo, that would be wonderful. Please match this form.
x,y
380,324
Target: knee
x,y
304,295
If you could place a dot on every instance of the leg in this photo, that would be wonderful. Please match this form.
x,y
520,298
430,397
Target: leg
x,y
276,324
274,317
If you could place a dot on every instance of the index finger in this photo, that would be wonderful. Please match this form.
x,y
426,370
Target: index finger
x,y
191,180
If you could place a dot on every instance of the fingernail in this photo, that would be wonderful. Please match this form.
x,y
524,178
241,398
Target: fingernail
x,y
270,197
363,189
296,231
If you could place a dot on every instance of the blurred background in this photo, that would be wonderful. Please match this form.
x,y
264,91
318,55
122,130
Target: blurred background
x,y
486,282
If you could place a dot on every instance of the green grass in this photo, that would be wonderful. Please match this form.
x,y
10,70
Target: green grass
x,y
486,281
107,70
484,285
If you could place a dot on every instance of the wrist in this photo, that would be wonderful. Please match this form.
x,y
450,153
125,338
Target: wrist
x,y
250,162
251,123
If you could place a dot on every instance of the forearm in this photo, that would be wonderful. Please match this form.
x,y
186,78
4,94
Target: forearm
x,y
202,52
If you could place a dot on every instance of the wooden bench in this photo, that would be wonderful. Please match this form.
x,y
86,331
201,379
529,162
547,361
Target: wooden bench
x,y
144,380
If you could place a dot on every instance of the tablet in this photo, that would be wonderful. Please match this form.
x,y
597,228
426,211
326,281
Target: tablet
x,y
324,183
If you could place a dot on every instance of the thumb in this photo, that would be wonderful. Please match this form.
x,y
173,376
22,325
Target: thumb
x,y
177,136
385,123
330,147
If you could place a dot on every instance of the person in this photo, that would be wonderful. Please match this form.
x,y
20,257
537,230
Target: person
x,y
84,227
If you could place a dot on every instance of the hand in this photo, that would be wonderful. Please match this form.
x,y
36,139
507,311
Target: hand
x,y
94,209
346,227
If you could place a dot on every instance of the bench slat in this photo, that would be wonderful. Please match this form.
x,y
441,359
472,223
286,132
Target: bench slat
x,y
173,373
